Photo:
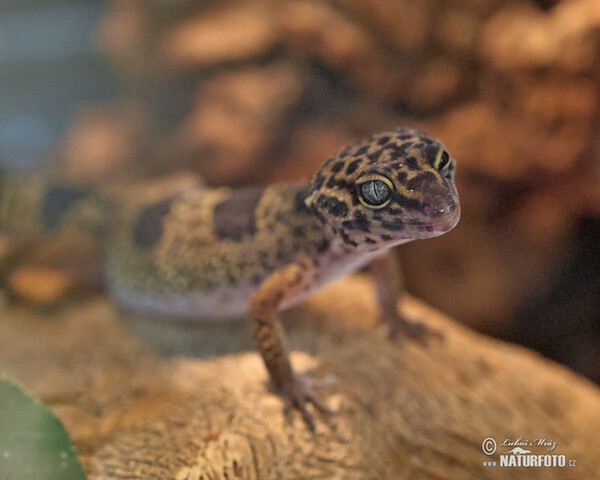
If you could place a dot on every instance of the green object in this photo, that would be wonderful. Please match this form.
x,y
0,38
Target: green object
x,y
33,442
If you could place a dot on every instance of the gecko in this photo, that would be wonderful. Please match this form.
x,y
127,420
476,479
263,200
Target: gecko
x,y
219,253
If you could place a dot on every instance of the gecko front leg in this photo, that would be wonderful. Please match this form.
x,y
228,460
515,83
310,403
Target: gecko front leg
x,y
297,390
386,273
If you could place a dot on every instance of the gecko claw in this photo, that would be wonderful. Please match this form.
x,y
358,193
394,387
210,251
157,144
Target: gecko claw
x,y
301,391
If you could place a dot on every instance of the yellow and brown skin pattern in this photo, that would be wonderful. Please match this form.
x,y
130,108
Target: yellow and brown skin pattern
x,y
212,253
203,252
393,187
383,191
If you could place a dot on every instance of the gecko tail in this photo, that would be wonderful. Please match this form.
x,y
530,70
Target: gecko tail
x,y
32,206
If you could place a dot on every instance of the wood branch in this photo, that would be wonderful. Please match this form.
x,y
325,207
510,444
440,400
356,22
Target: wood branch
x,y
404,411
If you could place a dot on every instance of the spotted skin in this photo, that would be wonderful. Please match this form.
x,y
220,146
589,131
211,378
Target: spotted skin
x,y
424,200
218,253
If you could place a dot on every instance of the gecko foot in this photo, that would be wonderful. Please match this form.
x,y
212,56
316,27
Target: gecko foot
x,y
399,329
300,391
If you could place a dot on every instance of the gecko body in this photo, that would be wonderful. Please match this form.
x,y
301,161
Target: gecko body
x,y
217,253
273,224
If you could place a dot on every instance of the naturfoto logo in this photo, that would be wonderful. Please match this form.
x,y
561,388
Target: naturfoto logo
x,y
522,455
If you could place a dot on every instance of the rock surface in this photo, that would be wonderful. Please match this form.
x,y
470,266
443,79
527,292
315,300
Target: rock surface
x,y
407,411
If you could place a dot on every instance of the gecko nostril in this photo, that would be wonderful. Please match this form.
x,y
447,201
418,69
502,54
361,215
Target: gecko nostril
x,y
427,209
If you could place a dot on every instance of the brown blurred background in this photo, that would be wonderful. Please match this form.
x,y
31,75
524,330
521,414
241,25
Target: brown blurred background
x,y
246,92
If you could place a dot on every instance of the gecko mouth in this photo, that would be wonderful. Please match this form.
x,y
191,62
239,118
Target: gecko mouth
x,y
446,224
439,225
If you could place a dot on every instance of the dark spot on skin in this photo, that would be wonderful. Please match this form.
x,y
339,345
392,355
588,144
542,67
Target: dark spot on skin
x,y
57,202
360,223
402,177
377,217
339,184
401,150
347,240
370,240
426,141
415,183
235,216
405,136
394,211
317,182
429,176
333,206
406,202
396,225
337,167
352,166
419,145
361,151
149,226
373,157
386,238
383,140
255,279
395,155
299,231
412,164
431,153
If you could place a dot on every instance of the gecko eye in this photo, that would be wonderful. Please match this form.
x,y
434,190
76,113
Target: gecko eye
x,y
443,161
375,192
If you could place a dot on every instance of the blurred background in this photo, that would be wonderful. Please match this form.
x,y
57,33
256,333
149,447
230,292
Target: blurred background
x,y
250,92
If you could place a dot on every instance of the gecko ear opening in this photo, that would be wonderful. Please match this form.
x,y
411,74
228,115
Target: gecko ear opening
x,y
313,193
310,202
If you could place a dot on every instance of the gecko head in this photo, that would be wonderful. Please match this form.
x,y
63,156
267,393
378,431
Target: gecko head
x,y
388,189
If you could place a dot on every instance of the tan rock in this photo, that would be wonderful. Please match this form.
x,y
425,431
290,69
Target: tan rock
x,y
404,411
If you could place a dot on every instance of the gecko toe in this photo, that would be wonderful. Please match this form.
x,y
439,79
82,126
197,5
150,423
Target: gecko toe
x,y
301,391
